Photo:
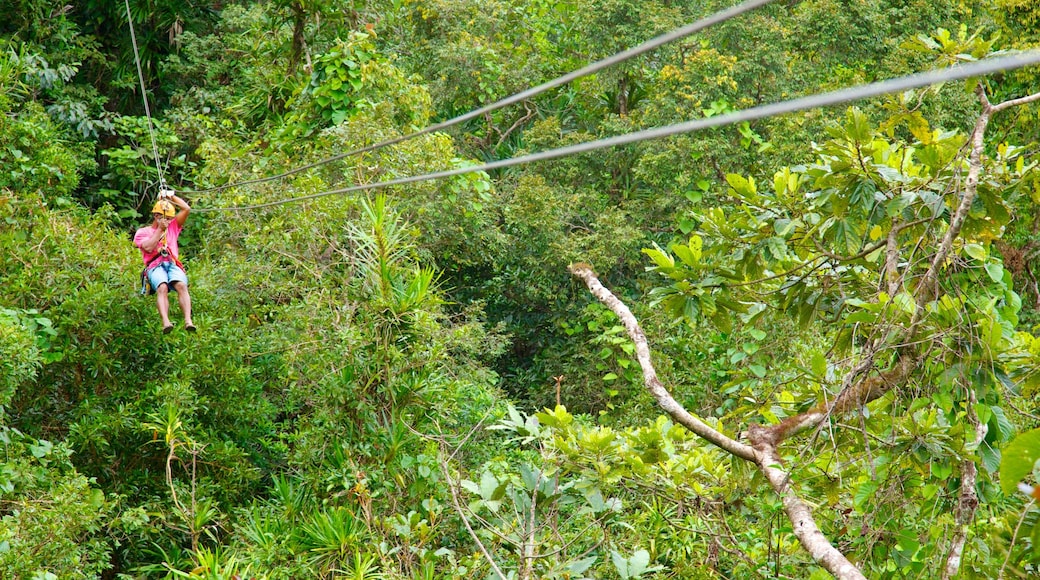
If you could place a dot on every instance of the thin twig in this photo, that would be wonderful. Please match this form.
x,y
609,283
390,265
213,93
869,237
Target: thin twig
x,y
1014,538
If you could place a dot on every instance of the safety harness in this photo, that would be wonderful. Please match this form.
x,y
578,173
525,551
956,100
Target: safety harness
x,y
164,252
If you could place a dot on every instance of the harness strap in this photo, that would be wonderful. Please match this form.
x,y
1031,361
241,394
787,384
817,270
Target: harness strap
x,y
165,252
145,283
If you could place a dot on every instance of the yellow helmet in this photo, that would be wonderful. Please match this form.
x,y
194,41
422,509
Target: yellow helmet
x,y
165,208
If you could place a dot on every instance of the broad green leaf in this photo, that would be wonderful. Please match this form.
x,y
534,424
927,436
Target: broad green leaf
x,y
578,568
633,567
976,251
905,303
490,488
1000,427
784,226
1019,459
741,187
990,457
696,247
940,470
996,272
620,563
41,449
896,205
857,126
777,247
638,562
659,256
530,475
864,493
919,128
819,364
687,255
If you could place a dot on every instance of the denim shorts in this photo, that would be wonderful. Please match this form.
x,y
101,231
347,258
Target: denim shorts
x,y
168,273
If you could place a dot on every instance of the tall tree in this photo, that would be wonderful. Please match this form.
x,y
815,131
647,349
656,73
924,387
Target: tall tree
x,y
888,242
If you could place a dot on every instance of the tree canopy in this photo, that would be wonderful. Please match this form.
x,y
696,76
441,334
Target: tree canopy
x,y
802,346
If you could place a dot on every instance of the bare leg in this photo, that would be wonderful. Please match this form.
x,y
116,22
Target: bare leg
x,y
185,301
162,299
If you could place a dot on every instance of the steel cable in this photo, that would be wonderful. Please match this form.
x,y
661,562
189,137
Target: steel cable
x,y
652,44
958,72
144,96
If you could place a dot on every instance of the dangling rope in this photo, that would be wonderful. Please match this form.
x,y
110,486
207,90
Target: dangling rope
x,y
144,96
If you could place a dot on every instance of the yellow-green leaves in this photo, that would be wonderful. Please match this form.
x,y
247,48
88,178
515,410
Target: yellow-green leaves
x,y
660,257
977,251
857,126
786,184
875,233
741,187
557,418
691,253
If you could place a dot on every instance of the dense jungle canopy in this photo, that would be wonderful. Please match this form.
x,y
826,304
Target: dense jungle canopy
x,y
799,346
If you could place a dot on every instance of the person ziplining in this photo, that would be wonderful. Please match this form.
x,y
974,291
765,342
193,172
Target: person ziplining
x,y
163,270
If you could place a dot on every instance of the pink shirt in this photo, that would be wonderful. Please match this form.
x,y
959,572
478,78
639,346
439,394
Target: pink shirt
x,y
172,231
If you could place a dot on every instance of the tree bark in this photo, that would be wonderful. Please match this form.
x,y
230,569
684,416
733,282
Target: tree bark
x,y
969,499
299,22
653,384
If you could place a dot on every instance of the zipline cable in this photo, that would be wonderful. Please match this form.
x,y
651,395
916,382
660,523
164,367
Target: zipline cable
x,y
652,44
144,96
962,71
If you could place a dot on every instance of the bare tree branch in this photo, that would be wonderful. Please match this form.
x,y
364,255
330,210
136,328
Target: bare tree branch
x,y
969,500
859,387
928,288
765,456
462,514
1015,102
856,394
527,117
853,396
803,524
653,384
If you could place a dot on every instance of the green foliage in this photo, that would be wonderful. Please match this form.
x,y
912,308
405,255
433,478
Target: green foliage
x,y
53,518
1019,460
338,76
129,177
860,188
332,407
231,82
353,76
18,349
38,158
633,567
330,537
828,243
